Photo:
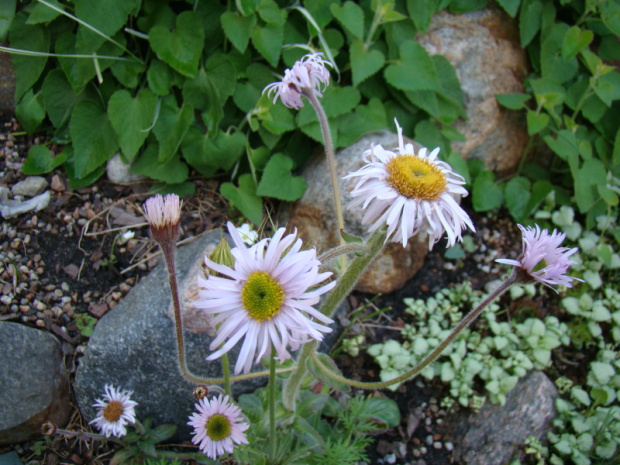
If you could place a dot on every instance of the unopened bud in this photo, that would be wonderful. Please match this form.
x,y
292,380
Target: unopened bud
x,y
164,217
221,255
48,428
201,391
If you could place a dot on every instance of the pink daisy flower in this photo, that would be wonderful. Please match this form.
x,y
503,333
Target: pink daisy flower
x,y
268,297
410,193
218,426
542,258
116,410
164,216
307,75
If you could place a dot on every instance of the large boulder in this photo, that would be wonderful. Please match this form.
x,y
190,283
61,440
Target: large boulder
x,y
34,386
483,46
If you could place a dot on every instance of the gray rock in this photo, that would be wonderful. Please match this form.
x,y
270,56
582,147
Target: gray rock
x,y
10,207
315,218
30,187
34,386
133,346
495,435
118,171
484,48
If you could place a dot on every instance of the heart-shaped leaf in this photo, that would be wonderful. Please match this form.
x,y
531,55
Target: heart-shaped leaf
x,y
268,41
170,129
244,198
94,139
486,194
238,29
277,181
173,171
207,155
536,122
513,101
35,39
351,16
30,111
180,48
574,41
364,63
130,117
414,71
40,160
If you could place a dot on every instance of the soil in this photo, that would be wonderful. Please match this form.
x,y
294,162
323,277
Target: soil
x,y
67,265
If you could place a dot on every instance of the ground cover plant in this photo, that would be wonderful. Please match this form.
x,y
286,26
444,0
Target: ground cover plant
x,y
184,86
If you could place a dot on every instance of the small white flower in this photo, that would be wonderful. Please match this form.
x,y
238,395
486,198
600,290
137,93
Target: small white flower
x,y
411,193
268,297
307,75
542,258
218,426
116,410
248,235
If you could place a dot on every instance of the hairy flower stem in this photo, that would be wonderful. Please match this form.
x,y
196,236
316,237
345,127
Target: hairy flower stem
x,y
331,160
272,406
343,288
430,358
226,370
168,249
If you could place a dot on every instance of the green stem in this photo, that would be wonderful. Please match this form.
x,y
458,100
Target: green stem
x,y
344,286
430,358
272,406
226,370
331,161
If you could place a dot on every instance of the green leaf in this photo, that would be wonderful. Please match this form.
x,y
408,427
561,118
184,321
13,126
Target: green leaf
x,y
180,48
486,194
173,171
163,432
238,29
517,195
94,139
601,372
58,97
381,409
421,13
244,198
248,94
530,20
277,181
270,12
41,13
351,16
268,41
30,111
574,40
40,161
159,77
128,73
604,91
513,101
414,71
536,122
587,179
107,16
7,13
553,65
564,145
170,129
465,6
364,63
70,168
278,119
207,154
130,118
510,6
365,119
27,68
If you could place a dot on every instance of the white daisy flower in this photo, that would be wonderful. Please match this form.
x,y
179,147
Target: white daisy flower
x,y
248,235
218,426
116,410
542,258
411,193
267,297
307,75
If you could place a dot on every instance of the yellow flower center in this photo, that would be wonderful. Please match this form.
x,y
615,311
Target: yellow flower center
x,y
262,296
415,178
113,411
218,427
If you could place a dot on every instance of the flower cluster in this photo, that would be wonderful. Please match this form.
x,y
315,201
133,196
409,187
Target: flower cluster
x,y
542,258
307,75
268,297
411,193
